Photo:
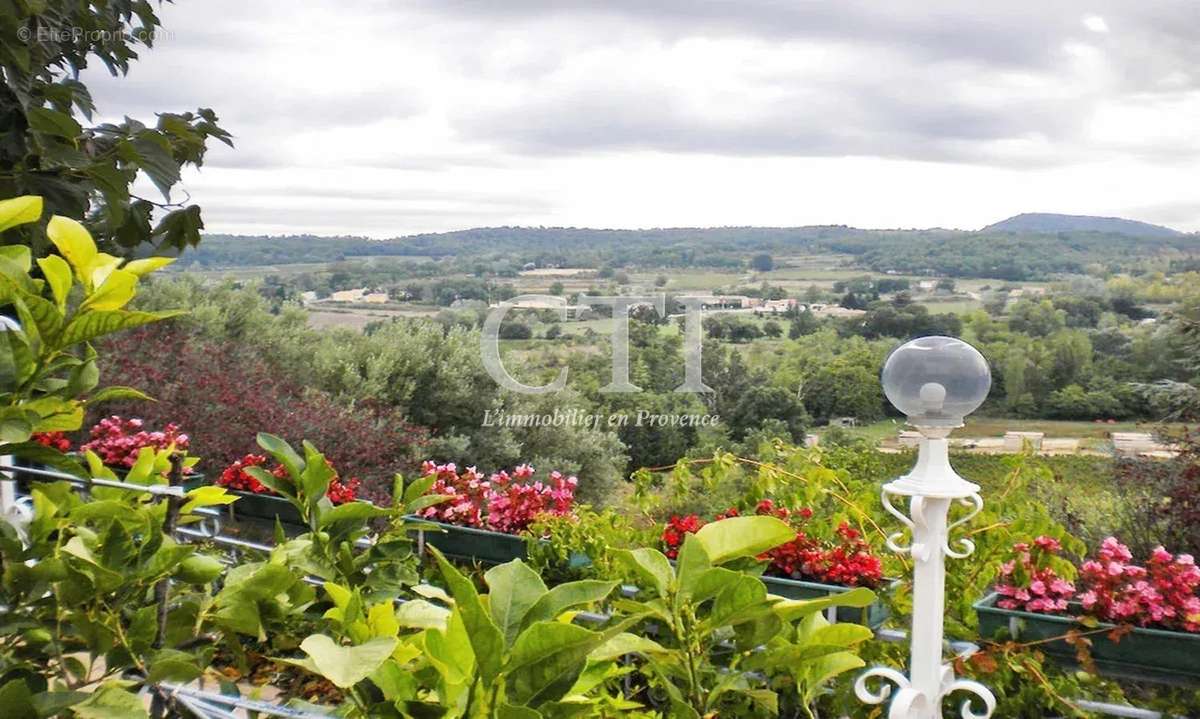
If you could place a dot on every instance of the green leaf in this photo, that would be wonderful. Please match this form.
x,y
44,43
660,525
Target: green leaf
x,y
53,122
352,512
172,665
109,394
58,275
345,666
742,600
154,158
486,639
270,481
88,326
565,596
114,185
792,609
52,704
283,453
513,588
651,567
17,701
317,474
19,211
742,537
418,488
546,659
111,702
624,644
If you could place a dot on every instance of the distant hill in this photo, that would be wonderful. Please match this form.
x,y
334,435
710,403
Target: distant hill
x,y
1049,222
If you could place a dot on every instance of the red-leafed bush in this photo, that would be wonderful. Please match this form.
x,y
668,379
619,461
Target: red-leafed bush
x,y
225,394
117,441
235,476
503,502
844,559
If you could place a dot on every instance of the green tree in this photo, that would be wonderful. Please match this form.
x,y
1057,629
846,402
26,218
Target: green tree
x,y
87,173
762,263
843,389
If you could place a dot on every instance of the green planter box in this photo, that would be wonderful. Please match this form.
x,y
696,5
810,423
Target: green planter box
x,y
872,616
264,506
469,543
1147,654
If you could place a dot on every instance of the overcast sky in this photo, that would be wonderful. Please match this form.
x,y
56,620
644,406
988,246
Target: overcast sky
x,y
387,118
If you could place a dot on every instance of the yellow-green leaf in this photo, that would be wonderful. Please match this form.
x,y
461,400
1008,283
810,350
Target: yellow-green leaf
x,y
116,292
73,242
58,274
101,266
141,268
19,211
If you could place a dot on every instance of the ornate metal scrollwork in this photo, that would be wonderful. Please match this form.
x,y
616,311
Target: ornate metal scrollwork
x,y
864,693
967,545
979,690
893,540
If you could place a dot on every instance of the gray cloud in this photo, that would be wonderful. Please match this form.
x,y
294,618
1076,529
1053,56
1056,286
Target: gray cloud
x,y
460,96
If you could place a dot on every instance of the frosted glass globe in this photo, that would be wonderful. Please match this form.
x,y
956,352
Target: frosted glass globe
x,y
936,381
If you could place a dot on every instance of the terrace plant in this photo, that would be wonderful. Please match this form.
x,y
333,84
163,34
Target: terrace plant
x,y
509,653
726,647
48,371
335,548
100,598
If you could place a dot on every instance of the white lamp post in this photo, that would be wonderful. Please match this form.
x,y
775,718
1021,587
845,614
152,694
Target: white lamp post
x,y
936,382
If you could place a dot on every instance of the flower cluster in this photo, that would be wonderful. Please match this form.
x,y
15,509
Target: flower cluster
x,y
117,441
849,561
1163,592
53,440
1028,583
677,528
1112,587
503,502
846,560
235,476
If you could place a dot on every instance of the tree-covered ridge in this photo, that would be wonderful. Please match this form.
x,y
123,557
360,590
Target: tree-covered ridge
x,y
956,253
1053,222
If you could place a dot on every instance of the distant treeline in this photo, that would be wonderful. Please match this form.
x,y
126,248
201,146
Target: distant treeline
x,y
1004,255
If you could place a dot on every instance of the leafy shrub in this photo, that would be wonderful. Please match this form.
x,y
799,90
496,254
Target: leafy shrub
x,y
582,544
1161,497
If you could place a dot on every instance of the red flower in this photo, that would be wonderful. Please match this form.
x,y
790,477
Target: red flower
x,y
53,440
847,560
235,476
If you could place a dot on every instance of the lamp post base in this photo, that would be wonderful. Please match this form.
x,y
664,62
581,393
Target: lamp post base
x,y
911,703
